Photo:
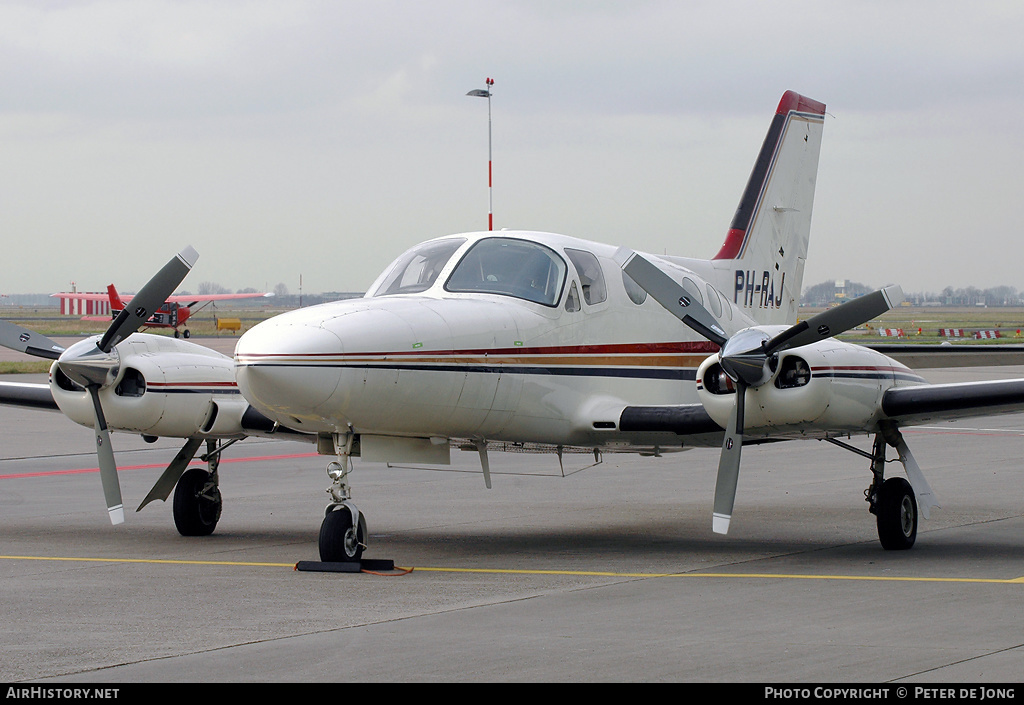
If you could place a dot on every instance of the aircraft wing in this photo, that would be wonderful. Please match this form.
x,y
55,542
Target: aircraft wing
x,y
952,355
177,298
946,402
196,298
908,406
690,420
24,394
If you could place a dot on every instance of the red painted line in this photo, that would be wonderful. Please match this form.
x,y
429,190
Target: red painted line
x,y
192,384
613,349
954,432
80,471
860,368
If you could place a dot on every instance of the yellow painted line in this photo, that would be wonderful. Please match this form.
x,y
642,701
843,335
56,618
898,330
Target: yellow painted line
x,y
757,576
563,573
146,560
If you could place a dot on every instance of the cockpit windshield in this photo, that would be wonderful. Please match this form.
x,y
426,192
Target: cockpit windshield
x,y
417,269
510,267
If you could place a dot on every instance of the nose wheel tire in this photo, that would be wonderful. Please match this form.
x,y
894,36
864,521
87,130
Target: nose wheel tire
x,y
197,503
341,537
897,515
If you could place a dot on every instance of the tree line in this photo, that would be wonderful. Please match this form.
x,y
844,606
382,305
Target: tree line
x,y
828,292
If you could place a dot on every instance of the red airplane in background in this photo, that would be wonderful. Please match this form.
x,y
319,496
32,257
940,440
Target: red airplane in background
x,y
174,312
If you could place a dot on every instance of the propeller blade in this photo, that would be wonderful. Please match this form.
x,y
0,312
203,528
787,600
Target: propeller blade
x,y
149,299
29,342
729,465
162,489
108,467
836,320
671,295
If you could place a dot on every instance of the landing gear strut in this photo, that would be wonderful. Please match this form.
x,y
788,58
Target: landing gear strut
x,y
343,531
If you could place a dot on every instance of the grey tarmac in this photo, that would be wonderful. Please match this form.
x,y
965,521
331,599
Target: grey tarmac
x,y
610,573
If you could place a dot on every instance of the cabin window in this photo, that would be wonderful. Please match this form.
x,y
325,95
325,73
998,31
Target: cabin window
x,y
633,290
714,301
591,276
509,267
691,288
418,268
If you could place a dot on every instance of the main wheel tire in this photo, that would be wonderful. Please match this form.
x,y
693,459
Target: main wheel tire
x,y
340,540
896,515
197,504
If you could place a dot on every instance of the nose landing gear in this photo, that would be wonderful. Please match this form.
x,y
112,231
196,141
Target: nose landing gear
x,y
343,531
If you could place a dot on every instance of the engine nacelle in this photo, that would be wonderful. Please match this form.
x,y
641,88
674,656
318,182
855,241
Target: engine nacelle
x,y
163,387
827,386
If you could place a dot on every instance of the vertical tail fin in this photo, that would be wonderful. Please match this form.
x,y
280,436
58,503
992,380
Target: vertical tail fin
x,y
116,305
766,246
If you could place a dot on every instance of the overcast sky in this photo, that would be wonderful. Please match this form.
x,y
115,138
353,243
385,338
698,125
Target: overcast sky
x,y
321,139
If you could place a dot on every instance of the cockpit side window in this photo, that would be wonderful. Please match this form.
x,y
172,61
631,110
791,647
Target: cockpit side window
x,y
591,276
417,269
510,267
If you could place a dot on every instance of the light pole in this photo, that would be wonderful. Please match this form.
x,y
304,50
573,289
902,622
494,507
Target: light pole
x,y
486,93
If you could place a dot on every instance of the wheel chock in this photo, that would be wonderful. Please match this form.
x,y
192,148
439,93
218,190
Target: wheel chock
x,y
346,566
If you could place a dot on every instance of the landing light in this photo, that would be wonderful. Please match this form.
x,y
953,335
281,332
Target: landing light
x,y
335,470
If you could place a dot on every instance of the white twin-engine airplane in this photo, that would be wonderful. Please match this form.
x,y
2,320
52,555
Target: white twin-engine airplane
x,y
538,339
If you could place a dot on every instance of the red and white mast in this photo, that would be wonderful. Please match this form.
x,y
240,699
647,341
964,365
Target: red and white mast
x,y
486,93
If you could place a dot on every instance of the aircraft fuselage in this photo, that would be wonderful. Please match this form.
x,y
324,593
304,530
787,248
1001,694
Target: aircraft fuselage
x,y
481,354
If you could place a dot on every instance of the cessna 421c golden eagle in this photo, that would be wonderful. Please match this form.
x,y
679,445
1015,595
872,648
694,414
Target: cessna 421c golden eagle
x,y
532,338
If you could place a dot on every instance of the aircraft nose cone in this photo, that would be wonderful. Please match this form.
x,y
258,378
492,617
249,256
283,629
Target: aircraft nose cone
x,y
284,369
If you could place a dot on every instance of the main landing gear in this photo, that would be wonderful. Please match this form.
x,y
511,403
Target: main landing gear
x,y
895,510
343,531
896,503
197,498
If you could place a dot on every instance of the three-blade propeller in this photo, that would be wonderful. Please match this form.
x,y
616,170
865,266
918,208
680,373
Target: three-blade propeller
x,y
745,355
94,363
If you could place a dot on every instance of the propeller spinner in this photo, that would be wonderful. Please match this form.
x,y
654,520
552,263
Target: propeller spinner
x,y
745,355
